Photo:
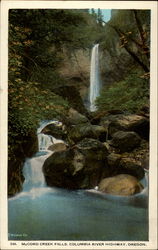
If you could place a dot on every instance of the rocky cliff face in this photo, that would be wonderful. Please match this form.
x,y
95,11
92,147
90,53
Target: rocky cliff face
x,y
115,60
76,69
76,65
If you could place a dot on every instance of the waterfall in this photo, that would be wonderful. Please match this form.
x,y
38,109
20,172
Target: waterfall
x,y
44,141
33,174
94,77
34,184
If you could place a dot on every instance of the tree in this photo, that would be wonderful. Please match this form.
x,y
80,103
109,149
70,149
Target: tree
x,y
129,40
100,17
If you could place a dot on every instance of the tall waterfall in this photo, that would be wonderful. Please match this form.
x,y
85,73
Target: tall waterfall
x,y
94,77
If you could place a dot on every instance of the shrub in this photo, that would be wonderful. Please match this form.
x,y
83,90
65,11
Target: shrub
x,y
129,95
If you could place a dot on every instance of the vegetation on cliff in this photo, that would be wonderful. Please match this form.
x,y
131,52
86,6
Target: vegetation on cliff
x,y
128,44
129,95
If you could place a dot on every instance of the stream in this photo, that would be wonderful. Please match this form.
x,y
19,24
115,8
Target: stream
x,y
43,213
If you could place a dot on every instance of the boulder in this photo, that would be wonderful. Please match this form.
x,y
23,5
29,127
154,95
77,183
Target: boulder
x,y
113,160
132,122
74,117
93,155
57,169
79,167
92,149
58,147
125,141
81,131
123,184
131,167
101,116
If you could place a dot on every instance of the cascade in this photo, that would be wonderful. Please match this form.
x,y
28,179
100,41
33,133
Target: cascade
x,y
94,77
34,183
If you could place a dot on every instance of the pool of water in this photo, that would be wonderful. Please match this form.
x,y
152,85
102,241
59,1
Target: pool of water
x,y
57,214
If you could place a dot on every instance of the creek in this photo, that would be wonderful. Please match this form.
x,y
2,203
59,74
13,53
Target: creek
x,y
43,213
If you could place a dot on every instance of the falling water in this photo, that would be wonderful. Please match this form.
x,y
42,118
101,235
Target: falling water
x,y
34,183
94,77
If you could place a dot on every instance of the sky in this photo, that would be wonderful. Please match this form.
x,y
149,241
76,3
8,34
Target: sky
x,y
106,14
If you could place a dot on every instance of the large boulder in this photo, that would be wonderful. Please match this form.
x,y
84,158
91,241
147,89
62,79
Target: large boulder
x,y
102,116
74,117
131,167
92,149
57,169
78,132
125,141
113,160
95,160
132,122
79,167
126,163
123,184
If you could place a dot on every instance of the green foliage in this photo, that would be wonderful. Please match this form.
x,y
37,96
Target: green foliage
x,y
123,31
100,17
28,105
128,95
37,40
40,37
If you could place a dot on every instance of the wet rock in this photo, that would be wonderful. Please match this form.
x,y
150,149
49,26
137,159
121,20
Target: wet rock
x,y
81,131
123,184
132,122
110,118
125,141
113,160
57,169
92,149
58,147
79,167
129,166
74,117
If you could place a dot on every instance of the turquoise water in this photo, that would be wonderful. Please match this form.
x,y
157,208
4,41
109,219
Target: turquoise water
x,y
58,214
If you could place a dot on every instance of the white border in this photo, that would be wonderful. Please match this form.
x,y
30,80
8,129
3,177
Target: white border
x,y
5,6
